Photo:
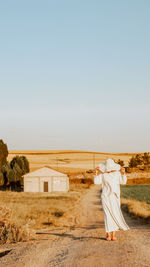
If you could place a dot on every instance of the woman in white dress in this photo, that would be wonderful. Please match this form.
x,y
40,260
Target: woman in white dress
x,y
111,176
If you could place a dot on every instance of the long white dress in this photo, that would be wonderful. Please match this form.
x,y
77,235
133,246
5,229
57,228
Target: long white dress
x,y
110,196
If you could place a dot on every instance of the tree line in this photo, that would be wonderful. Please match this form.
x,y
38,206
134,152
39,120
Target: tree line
x,y
139,161
11,173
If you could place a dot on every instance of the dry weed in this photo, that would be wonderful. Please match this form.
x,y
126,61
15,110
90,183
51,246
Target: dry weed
x,y
135,181
136,208
10,231
23,213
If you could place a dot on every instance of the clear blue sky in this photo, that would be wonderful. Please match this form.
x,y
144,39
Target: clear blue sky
x,y
75,74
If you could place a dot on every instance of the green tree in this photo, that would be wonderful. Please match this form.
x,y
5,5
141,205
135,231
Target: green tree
x,y
138,159
13,172
1,179
146,158
3,153
133,162
8,173
20,166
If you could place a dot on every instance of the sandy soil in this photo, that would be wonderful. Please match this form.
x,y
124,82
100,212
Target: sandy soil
x,y
84,243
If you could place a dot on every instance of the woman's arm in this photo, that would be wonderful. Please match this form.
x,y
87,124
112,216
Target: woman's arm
x,y
123,177
98,177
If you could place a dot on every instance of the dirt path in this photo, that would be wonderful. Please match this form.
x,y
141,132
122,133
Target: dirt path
x,y
83,245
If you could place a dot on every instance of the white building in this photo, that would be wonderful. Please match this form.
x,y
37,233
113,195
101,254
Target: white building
x,y
46,180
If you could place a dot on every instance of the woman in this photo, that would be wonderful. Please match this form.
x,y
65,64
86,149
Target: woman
x,y
111,176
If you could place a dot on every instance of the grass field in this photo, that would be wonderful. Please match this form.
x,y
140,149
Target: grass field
x,y
137,192
136,200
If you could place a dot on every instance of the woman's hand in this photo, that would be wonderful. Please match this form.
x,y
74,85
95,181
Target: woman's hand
x,y
97,170
122,170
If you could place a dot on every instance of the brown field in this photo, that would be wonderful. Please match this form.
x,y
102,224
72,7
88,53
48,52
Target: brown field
x,y
41,209
82,244
140,181
143,175
37,210
74,161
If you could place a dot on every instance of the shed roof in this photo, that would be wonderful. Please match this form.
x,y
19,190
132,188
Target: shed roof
x,y
45,171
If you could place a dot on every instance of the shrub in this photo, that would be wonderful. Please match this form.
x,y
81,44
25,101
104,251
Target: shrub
x,y
90,171
133,163
11,232
140,161
146,158
120,162
128,169
58,213
88,181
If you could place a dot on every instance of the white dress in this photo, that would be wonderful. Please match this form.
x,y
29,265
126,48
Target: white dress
x,y
113,216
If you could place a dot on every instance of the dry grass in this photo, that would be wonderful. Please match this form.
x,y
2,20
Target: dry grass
x,y
139,175
142,181
73,160
10,230
136,208
136,200
31,211
69,170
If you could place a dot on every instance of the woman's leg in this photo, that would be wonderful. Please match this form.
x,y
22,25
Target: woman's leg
x,y
113,236
108,237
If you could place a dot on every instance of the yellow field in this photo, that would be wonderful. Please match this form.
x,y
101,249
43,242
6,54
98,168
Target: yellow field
x,y
74,161
23,213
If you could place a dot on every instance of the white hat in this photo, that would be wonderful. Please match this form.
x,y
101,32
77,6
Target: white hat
x,y
109,165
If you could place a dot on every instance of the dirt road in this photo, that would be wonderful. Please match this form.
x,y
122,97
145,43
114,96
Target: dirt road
x,y
84,244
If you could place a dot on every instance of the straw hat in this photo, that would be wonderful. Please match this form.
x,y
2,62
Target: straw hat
x,y
109,165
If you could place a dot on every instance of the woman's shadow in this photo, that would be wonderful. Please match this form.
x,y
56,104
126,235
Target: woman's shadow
x,y
71,236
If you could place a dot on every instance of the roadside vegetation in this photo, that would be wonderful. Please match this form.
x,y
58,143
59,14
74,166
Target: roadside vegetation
x,y
135,200
23,213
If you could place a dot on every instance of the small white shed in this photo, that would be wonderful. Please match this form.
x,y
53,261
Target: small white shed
x,y
46,180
